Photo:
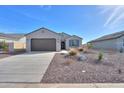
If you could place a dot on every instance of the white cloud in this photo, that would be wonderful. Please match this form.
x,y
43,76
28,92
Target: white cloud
x,y
30,15
46,7
115,15
37,18
105,9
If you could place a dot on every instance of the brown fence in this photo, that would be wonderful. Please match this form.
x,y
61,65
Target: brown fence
x,y
18,45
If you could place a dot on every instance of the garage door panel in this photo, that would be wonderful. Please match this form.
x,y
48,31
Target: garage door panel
x,y
43,44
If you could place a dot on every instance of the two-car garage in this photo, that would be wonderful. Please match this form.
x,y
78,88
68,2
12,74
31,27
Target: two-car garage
x,y
43,40
43,44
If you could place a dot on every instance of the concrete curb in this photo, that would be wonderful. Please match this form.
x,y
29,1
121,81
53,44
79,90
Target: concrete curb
x,y
85,85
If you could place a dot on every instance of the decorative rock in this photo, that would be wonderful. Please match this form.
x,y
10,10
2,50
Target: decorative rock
x,y
66,55
64,52
81,57
81,53
83,71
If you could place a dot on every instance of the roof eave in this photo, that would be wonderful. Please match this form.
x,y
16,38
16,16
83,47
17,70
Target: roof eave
x,y
40,29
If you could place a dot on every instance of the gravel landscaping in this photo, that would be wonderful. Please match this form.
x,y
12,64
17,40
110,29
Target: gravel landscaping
x,y
69,70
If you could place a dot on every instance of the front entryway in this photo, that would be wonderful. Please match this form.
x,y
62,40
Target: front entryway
x,y
63,45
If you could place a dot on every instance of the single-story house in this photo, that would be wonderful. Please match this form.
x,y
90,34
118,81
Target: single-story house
x,y
113,41
44,39
15,41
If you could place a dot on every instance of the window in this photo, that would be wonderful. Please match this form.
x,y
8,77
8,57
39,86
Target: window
x,y
74,43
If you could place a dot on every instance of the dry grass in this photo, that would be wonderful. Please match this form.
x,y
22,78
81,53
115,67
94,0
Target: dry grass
x,y
80,49
68,62
73,52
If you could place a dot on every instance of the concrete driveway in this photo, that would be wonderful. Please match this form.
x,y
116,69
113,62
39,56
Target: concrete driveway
x,y
28,67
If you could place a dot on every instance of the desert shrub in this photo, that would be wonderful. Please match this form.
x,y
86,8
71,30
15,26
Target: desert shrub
x,y
100,56
119,71
80,49
121,50
85,50
89,45
72,52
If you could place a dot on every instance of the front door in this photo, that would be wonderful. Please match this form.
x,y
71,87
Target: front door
x,y
62,45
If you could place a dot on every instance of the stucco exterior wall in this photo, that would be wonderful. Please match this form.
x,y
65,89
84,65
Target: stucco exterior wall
x,y
72,38
64,36
120,42
43,33
22,40
107,44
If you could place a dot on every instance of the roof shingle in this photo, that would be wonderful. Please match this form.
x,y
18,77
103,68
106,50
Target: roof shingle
x,y
12,36
110,36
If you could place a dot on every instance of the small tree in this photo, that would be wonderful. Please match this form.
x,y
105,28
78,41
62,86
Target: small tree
x,y
4,46
0,46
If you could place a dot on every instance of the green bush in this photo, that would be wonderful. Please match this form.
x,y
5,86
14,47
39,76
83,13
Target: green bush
x,y
89,45
100,56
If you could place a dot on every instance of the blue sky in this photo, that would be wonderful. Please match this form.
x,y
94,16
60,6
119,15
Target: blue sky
x,y
88,22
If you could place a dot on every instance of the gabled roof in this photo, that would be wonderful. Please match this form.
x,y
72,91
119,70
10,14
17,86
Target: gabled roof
x,y
12,36
63,33
41,29
69,36
110,36
60,34
76,36
64,36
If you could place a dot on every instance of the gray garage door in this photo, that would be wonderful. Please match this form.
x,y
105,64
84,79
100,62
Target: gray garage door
x,y
43,44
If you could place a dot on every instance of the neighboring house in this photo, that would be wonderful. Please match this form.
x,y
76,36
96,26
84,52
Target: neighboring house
x,y
12,37
44,39
113,41
15,41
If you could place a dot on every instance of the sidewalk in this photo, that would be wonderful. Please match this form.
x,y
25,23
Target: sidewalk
x,y
85,85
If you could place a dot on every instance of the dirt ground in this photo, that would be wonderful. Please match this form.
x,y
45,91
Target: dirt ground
x,y
69,70
4,55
